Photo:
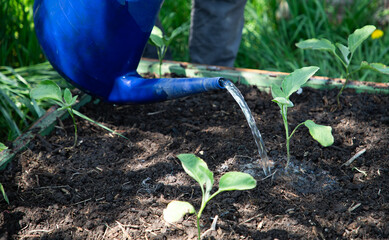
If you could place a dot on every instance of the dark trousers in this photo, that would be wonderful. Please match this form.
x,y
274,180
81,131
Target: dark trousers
x,y
216,31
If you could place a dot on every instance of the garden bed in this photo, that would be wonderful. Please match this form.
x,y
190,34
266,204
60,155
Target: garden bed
x,y
109,187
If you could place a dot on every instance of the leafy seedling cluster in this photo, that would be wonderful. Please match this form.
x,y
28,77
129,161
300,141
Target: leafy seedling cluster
x,y
198,170
49,90
346,53
281,94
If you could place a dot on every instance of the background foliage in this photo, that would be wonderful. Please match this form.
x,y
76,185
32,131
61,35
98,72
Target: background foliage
x,y
18,44
272,27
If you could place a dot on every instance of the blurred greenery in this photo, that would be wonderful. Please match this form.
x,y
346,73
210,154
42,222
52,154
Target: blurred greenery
x,y
18,111
18,45
269,37
273,27
173,14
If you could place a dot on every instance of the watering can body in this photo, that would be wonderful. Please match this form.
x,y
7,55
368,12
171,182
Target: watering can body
x,y
97,45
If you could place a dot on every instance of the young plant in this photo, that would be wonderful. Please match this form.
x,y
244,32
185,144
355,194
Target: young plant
x,y
291,84
49,90
346,53
198,170
162,42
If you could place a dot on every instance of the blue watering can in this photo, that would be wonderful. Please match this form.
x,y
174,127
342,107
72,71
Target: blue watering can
x,y
97,45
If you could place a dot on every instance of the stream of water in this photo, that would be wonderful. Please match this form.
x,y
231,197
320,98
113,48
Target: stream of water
x,y
237,95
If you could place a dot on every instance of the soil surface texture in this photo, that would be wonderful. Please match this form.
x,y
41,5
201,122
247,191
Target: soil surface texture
x,y
109,187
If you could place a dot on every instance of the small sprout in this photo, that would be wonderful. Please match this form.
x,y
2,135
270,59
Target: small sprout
x,y
198,170
162,42
291,84
360,171
347,52
49,90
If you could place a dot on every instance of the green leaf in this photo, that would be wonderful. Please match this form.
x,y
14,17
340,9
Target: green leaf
x,y
176,210
320,133
69,99
64,106
47,90
2,147
178,31
67,96
197,169
378,67
296,79
6,100
156,37
236,181
10,121
358,36
74,99
317,44
283,101
276,91
345,52
3,192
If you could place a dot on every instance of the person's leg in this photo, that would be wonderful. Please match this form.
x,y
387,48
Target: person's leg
x,y
216,31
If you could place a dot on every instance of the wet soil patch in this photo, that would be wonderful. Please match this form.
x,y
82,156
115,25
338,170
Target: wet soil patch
x,y
109,187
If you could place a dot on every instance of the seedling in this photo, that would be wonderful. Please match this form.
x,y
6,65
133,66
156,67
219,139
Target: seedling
x,y
198,170
162,42
361,171
49,90
346,53
291,84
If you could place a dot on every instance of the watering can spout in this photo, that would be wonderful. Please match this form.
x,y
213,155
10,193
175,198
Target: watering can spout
x,y
97,47
136,90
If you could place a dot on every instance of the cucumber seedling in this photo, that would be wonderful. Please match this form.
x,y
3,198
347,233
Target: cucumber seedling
x,y
281,94
198,170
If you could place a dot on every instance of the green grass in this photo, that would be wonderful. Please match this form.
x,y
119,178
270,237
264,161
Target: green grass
x,y
18,111
18,45
269,42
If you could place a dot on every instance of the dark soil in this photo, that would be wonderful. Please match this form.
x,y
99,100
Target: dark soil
x,y
112,188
